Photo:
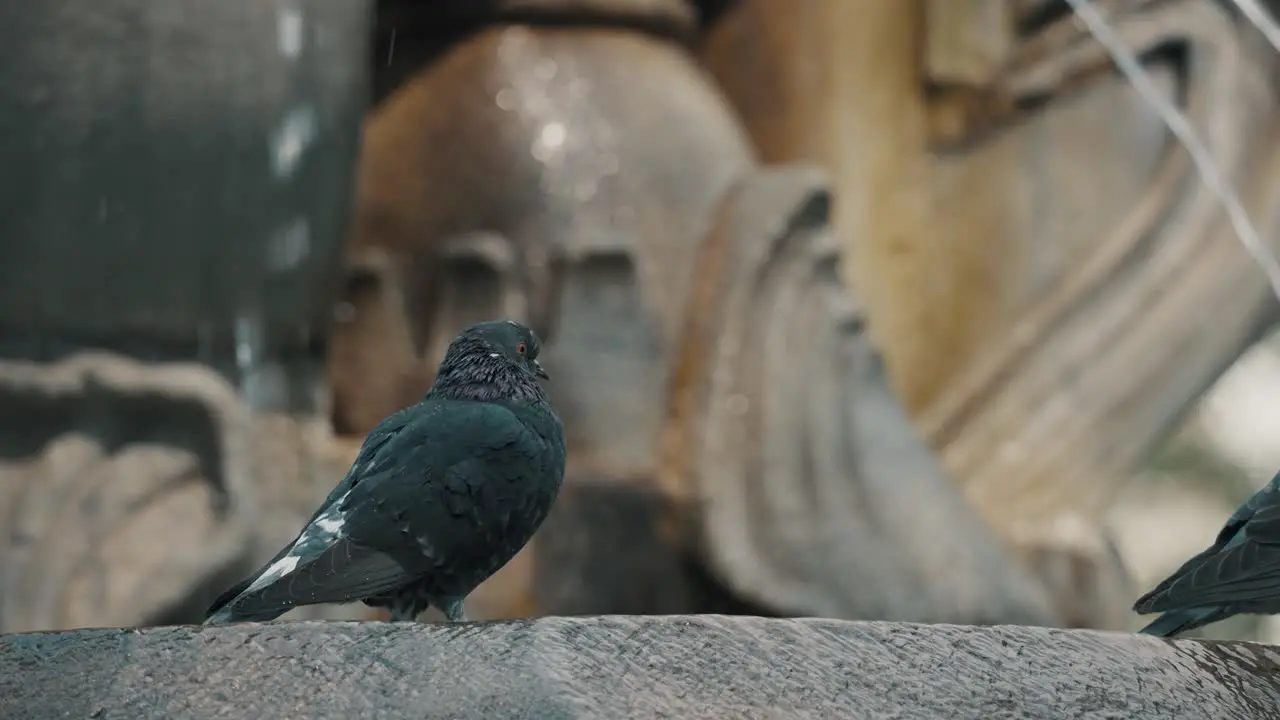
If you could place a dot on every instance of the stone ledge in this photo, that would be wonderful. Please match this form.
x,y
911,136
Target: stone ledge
x,y
623,667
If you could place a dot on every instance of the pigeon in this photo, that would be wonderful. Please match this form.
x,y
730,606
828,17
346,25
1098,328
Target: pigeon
x,y
441,495
1239,573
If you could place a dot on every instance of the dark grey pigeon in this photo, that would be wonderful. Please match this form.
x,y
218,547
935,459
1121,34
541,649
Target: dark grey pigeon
x,y
441,495
1239,573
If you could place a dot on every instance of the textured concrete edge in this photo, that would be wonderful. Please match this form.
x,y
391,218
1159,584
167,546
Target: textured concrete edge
x,y
686,666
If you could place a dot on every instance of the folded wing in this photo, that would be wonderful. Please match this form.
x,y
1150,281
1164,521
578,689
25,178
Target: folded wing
x,y
1242,569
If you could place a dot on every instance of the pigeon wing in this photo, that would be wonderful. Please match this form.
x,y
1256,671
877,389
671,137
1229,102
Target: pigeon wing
x,y
1243,570
327,563
1157,597
404,510
369,461
364,467
341,572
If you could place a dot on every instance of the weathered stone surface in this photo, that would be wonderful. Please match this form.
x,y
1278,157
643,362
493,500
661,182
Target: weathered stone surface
x,y
619,666
124,486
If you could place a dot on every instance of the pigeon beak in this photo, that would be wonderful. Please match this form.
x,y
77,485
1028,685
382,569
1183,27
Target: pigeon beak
x,y
537,370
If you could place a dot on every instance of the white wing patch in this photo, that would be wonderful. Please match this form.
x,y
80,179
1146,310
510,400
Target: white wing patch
x,y
314,538
278,569
321,533
331,525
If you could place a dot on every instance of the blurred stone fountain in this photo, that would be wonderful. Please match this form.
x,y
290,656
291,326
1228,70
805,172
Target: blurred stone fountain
x,y
866,310
172,233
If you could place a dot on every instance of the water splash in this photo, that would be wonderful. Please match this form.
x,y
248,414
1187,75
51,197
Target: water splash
x,y
290,246
250,350
296,133
289,32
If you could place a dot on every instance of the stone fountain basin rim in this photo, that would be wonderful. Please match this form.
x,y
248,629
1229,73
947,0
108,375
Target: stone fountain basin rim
x,y
630,666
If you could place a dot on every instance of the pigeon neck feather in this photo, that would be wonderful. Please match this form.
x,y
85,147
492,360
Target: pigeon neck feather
x,y
471,370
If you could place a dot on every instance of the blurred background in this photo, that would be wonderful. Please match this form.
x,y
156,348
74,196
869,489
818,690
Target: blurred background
x,y
873,309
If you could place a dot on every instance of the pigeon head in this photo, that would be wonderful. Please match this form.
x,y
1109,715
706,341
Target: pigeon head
x,y
489,361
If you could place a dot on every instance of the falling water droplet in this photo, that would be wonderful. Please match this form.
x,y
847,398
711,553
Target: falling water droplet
x,y
290,246
289,32
296,132
248,341
263,384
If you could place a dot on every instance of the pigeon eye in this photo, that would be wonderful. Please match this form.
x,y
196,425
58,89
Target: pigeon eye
x,y
521,349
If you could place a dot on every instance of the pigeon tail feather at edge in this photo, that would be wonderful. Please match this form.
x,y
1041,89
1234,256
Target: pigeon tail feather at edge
x,y
231,614
1174,622
227,608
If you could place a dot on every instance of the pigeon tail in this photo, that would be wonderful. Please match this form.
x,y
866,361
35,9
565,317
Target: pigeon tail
x,y
226,608
1175,622
232,614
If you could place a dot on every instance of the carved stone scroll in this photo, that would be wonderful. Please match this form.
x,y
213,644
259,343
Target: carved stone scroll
x,y
814,493
1049,280
124,487
1148,318
132,493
